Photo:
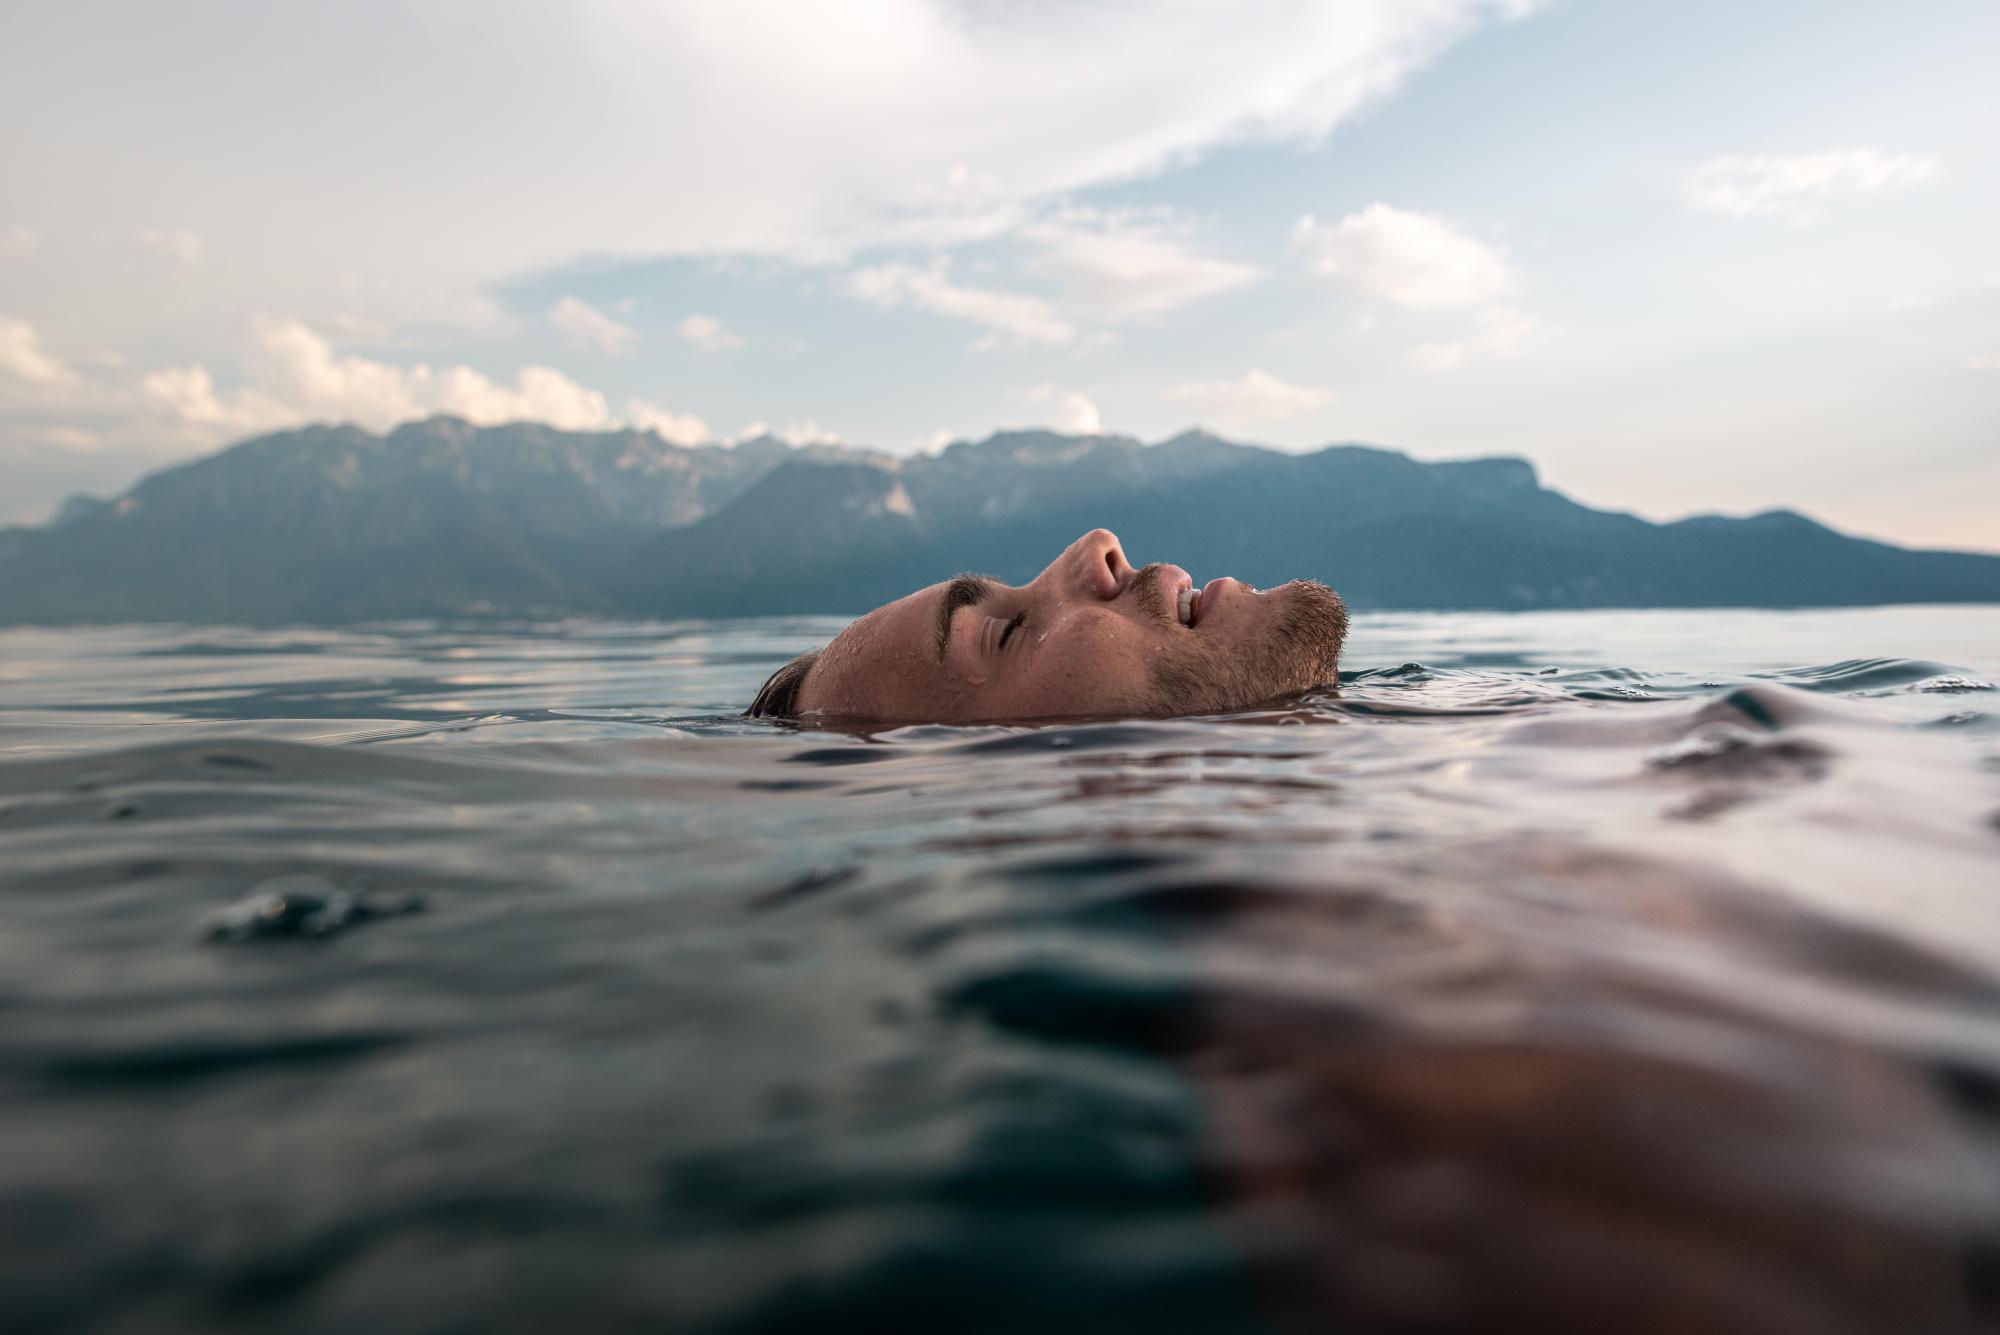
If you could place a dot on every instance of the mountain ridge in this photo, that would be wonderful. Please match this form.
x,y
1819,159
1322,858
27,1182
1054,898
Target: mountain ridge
x,y
440,518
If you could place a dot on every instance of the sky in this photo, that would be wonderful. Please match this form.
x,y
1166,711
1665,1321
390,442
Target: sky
x,y
1688,258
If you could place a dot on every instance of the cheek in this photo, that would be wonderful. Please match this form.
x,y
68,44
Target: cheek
x,y
1093,669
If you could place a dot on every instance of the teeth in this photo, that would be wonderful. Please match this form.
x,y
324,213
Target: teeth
x,y
1187,607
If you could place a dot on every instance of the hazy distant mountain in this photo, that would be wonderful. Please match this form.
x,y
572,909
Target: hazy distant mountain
x,y
437,518
441,518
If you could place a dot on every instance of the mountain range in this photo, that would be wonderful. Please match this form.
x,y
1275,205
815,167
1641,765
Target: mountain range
x,y
441,518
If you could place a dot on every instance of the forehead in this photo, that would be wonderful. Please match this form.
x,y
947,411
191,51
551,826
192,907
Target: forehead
x,y
884,664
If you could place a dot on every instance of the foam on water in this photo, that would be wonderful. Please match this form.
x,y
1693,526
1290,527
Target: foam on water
x,y
1573,971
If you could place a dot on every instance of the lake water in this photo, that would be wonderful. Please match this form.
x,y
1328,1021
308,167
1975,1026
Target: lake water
x,y
1570,971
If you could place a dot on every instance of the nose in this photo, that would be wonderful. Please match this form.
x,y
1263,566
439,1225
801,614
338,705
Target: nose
x,y
1094,567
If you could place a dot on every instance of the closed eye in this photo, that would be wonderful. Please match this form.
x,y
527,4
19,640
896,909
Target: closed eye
x,y
1011,627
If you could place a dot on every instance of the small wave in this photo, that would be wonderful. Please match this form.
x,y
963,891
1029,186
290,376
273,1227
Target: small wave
x,y
1856,675
1404,674
1963,718
1086,737
175,1062
1702,746
1727,749
1951,684
301,905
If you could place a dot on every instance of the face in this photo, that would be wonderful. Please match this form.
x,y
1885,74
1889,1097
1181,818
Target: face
x,y
1090,635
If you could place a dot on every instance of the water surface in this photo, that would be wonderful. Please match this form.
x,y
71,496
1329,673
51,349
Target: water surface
x,y
1633,971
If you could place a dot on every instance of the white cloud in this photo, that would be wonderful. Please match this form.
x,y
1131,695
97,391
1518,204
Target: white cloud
x,y
906,120
299,371
187,396
1790,185
1503,334
1124,268
1254,396
1018,316
537,394
1075,414
297,377
680,428
1410,259
706,332
586,326
23,359
18,242
178,244
792,433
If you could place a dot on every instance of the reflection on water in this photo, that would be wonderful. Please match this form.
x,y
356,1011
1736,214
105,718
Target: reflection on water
x,y
1604,971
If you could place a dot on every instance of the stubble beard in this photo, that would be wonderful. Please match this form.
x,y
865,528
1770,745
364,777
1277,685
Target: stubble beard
x,y
1299,653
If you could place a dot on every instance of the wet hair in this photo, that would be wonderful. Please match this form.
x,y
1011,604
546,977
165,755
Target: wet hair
x,y
779,696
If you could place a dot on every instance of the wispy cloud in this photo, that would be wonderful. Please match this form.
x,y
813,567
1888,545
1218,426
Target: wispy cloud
x,y
1255,396
1120,267
585,325
71,438
898,123
706,332
1503,334
1018,316
1409,259
24,360
178,244
1794,185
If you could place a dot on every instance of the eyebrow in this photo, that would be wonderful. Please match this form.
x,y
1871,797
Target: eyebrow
x,y
963,591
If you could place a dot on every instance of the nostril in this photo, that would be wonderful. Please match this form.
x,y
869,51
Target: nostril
x,y
1105,543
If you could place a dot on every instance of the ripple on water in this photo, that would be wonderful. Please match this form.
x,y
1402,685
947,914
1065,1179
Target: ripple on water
x,y
1857,675
302,905
1727,750
1962,718
1950,684
193,1059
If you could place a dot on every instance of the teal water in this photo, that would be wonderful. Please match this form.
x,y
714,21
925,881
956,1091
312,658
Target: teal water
x,y
1564,971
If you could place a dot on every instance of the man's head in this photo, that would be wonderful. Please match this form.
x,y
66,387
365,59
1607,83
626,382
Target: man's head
x,y
1088,636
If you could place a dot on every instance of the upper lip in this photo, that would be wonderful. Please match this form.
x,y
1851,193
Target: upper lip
x,y
1174,581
